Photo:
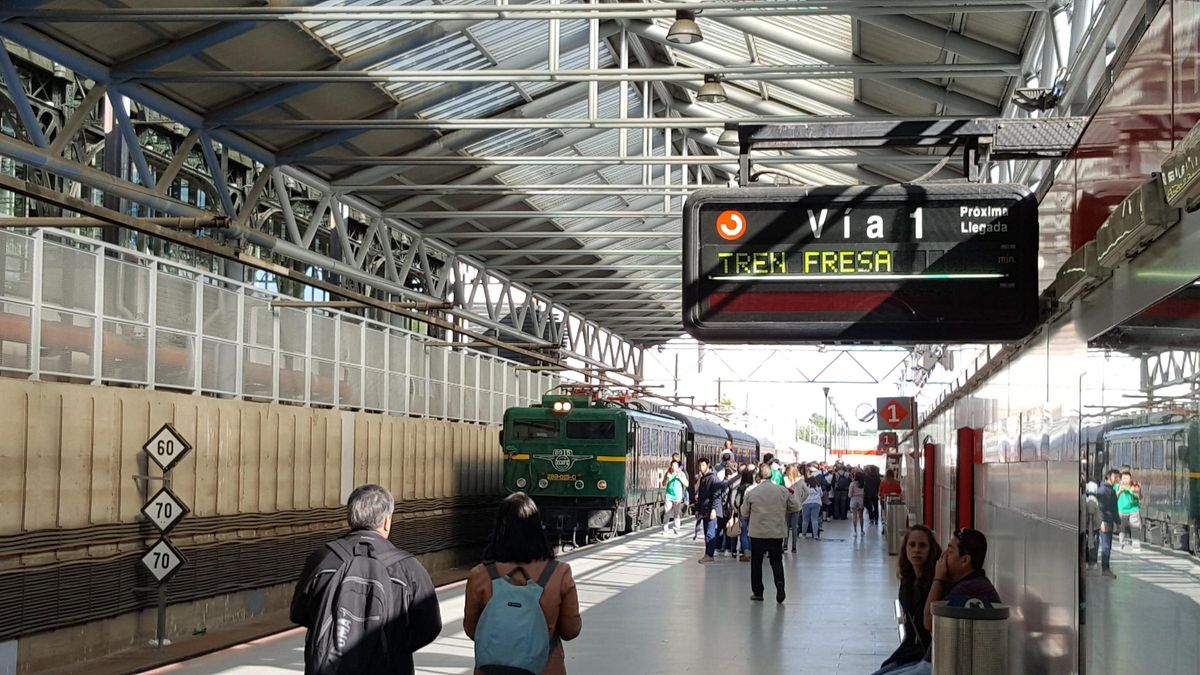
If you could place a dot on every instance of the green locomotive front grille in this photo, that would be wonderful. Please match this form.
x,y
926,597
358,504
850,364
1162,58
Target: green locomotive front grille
x,y
565,472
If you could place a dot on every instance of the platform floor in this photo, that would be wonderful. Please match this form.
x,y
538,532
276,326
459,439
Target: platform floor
x,y
649,608
1147,619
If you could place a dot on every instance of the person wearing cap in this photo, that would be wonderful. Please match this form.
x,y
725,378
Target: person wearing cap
x,y
957,578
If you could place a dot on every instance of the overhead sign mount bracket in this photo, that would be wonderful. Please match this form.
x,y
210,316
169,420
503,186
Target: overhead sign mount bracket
x,y
981,139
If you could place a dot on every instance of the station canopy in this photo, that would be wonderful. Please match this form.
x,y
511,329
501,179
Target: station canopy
x,y
556,153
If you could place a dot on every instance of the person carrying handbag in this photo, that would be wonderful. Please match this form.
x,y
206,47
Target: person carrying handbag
x,y
739,499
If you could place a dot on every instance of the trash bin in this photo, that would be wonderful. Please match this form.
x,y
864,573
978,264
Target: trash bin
x,y
897,521
970,639
1179,538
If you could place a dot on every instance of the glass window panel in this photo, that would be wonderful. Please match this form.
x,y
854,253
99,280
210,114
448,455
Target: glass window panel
x,y
15,336
174,359
16,266
258,372
68,277
526,429
323,379
66,343
1141,400
324,330
125,352
293,377
351,342
220,312
293,326
376,346
175,304
219,371
259,323
126,291
598,429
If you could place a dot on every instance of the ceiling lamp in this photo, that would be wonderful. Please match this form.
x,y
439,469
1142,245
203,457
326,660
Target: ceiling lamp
x,y
685,30
712,91
729,137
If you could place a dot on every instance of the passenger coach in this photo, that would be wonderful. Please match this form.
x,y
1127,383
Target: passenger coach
x,y
1163,453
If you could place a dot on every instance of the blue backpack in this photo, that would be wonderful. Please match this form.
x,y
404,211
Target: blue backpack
x,y
512,637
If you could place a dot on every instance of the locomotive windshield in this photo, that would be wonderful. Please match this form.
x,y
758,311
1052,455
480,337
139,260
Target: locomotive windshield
x,y
591,429
526,429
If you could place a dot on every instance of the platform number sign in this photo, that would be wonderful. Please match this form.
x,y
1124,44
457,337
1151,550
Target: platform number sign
x,y
166,447
164,510
163,560
895,412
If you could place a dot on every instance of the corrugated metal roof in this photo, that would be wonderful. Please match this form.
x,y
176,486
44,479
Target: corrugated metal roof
x,y
483,101
317,45
347,38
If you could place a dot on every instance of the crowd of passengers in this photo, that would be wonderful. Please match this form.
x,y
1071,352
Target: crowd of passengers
x,y
368,606
819,492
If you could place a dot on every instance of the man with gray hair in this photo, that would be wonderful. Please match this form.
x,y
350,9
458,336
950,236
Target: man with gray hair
x,y
767,506
367,605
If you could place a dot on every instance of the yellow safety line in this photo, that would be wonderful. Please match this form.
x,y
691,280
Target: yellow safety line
x,y
1194,474
601,458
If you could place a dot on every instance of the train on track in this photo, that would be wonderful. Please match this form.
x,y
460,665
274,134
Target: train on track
x,y
1163,453
594,463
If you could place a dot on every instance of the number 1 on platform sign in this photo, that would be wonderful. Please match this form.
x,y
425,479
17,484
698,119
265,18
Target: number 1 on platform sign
x,y
895,412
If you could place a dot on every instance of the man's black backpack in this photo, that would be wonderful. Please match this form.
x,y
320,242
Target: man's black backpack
x,y
843,482
361,616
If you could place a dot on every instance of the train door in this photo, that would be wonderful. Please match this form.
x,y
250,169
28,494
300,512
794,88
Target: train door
x,y
1173,477
631,456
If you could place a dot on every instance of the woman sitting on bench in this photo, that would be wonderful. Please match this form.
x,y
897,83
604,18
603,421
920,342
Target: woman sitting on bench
x,y
920,553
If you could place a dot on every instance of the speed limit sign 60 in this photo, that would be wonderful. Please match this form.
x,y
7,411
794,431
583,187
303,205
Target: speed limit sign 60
x,y
166,447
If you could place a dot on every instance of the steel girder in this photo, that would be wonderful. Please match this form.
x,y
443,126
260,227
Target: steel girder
x,y
478,12
942,38
276,95
812,91
867,70
412,106
369,259
929,91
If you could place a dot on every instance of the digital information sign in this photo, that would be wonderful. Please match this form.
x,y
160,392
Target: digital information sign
x,y
943,262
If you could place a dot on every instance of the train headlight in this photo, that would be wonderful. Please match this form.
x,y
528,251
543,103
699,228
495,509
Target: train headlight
x,y
578,485
561,407
602,485
521,483
543,483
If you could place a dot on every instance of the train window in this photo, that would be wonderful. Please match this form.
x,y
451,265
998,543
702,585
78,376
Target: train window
x,y
1122,455
1170,455
525,429
1159,459
591,429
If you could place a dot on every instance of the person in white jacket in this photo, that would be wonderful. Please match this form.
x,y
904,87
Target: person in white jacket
x,y
767,506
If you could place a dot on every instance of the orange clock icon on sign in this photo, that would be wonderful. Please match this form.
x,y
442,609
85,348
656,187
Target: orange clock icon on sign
x,y
731,225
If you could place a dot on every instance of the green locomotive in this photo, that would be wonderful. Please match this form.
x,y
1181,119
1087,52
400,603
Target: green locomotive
x,y
593,466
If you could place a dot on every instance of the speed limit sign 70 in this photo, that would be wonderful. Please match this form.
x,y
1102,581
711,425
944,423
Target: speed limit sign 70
x,y
166,447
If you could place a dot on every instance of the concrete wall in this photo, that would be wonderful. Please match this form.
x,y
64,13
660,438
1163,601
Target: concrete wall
x,y
68,453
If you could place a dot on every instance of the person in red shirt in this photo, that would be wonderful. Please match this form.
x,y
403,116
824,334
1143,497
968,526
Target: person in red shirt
x,y
888,486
